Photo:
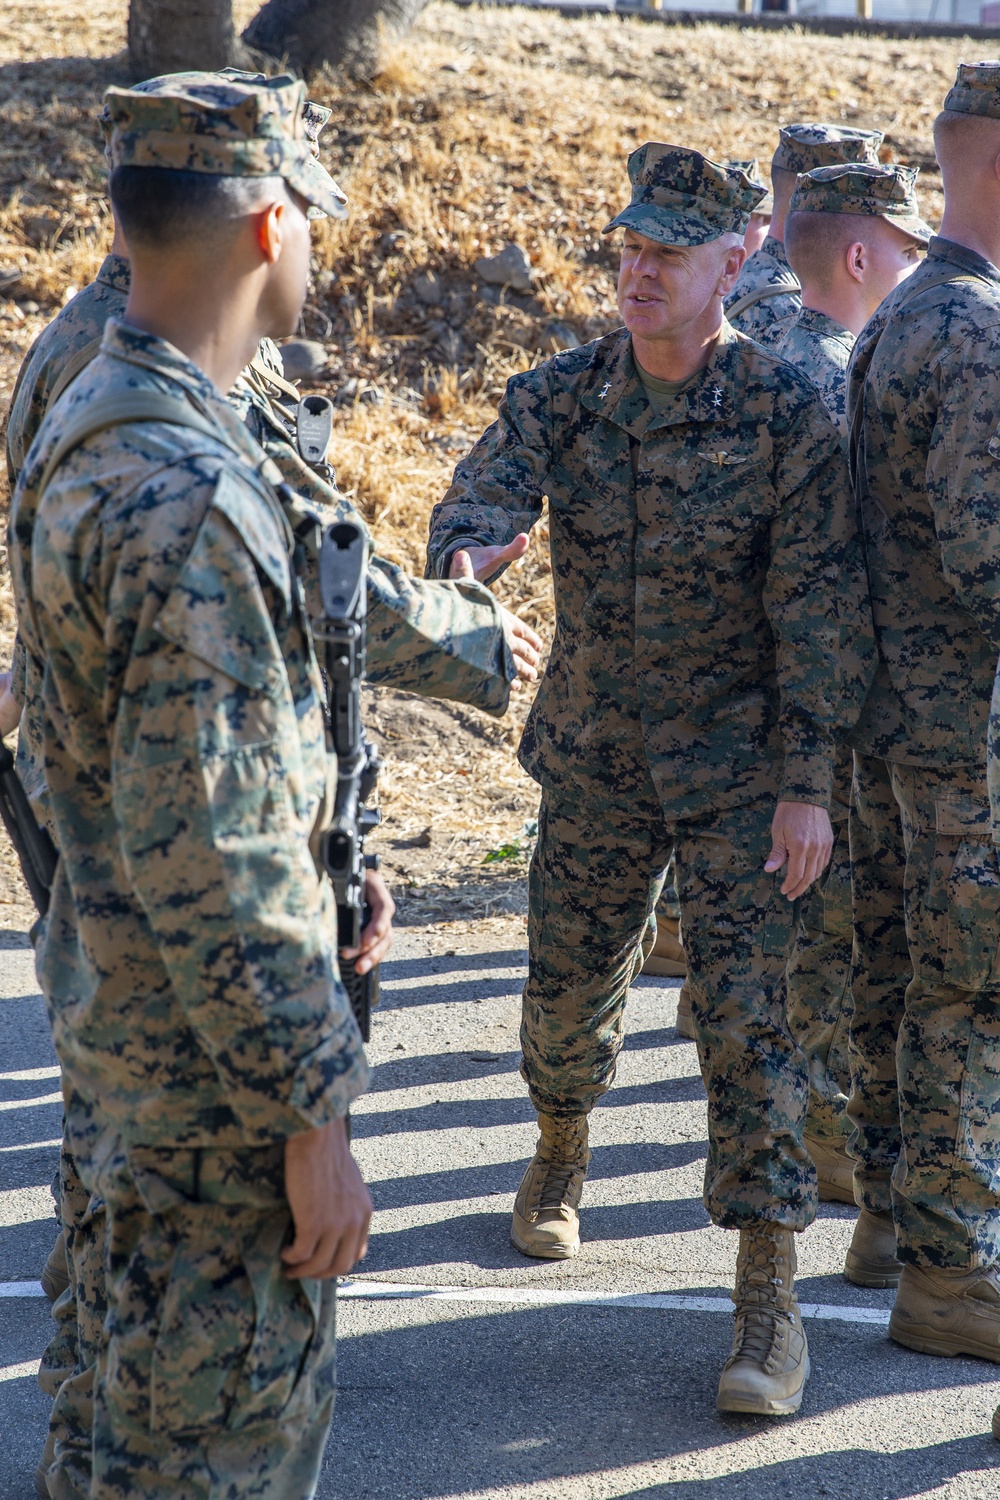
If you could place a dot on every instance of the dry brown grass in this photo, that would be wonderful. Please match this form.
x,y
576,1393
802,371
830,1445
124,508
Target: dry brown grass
x,y
484,126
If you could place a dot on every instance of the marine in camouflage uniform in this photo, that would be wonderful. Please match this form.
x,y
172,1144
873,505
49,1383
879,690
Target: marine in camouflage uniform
x,y
443,640
291,1055
765,300
695,680
923,397
440,639
819,974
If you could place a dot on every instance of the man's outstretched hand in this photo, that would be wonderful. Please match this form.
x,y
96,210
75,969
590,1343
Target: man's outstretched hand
x,y
483,562
480,563
331,1207
802,835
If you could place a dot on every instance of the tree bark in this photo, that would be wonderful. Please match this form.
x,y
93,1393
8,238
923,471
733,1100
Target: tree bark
x,y
171,36
343,33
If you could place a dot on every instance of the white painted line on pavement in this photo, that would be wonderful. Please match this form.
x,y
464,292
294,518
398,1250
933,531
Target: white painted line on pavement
x,y
33,1145
29,1075
406,1291
27,1103
403,1291
19,1372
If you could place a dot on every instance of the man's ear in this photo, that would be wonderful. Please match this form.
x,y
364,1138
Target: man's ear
x,y
856,260
732,266
270,231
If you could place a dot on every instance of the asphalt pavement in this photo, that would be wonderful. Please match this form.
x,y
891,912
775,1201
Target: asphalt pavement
x,y
467,1371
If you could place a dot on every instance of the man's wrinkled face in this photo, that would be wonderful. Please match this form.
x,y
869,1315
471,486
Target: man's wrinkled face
x,y
665,289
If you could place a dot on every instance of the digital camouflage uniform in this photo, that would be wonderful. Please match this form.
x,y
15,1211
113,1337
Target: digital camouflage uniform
x,y
694,679
191,971
923,399
819,974
440,639
766,298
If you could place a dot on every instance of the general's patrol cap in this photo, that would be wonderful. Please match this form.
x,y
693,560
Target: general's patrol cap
x,y
884,192
803,148
752,169
976,90
679,197
226,126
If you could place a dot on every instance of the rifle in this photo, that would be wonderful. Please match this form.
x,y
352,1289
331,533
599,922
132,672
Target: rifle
x,y
343,566
36,852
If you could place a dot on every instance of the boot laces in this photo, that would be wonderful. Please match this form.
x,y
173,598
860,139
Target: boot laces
x,y
756,1334
554,1189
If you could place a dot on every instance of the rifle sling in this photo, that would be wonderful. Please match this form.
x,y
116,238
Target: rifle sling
x,y
750,299
116,411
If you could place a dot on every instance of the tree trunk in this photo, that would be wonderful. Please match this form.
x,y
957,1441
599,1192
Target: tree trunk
x,y
343,33
171,36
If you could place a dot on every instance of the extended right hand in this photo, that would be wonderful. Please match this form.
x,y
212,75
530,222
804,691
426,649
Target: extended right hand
x,y
480,563
331,1207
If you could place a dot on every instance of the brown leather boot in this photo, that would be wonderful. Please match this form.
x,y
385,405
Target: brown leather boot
x,y
667,958
684,1024
871,1260
948,1312
834,1169
44,1465
546,1222
55,1276
769,1366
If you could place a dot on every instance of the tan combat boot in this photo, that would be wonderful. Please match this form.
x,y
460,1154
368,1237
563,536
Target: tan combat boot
x,y
871,1260
834,1169
55,1276
546,1222
769,1366
684,1025
948,1312
667,958
45,1463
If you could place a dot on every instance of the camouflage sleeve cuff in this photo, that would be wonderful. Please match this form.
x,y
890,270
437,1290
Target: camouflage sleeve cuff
x,y
807,778
439,564
329,1078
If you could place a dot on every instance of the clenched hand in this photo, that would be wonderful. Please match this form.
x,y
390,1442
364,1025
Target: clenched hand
x,y
801,834
331,1207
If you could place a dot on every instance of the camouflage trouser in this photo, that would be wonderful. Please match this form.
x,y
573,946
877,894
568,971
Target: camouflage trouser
x,y
819,979
595,878
80,1312
925,1038
217,1373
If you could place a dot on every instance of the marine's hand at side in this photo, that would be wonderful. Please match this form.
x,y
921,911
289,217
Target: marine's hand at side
x,y
802,835
479,563
331,1207
376,936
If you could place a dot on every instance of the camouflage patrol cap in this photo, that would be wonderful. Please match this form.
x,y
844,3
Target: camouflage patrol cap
x,y
883,192
976,90
803,148
752,169
224,126
679,197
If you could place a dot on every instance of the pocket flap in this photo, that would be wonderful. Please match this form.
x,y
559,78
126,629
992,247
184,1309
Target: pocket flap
x,y
963,818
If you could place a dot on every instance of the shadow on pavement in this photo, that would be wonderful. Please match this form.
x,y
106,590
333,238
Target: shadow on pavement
x,y
537,1397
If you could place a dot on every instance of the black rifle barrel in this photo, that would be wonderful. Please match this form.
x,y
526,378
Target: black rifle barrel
x,y
36,853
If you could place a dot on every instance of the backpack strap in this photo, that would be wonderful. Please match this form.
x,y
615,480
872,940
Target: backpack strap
x,y
750,299
116,411
72,368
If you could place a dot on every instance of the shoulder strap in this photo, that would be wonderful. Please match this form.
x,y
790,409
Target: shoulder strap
x,y
273,378
73,367
750,299
116,411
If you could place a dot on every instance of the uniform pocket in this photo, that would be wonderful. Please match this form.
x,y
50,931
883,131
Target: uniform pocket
x,y
959,918
234,1333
